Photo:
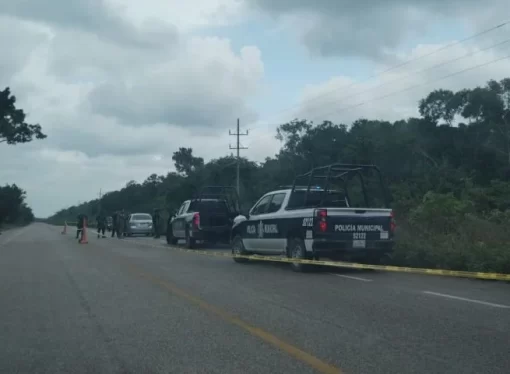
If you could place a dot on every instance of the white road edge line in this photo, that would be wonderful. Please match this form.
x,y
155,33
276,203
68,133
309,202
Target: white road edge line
x,y
350,277
466,299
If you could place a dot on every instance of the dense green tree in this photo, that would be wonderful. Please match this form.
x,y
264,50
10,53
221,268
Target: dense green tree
x,y
185,162
13,209
13,128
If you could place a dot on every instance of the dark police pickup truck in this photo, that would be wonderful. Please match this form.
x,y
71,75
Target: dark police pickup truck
x,y
207,217
324,214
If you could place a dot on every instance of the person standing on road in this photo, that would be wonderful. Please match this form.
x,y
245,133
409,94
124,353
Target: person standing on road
x,y
115,222
156,223
79,225
101,224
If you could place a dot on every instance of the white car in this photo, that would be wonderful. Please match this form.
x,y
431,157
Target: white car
x,y
139,224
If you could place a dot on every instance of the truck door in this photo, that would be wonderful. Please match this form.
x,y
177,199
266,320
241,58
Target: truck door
x,y
253,238
273,220
178,223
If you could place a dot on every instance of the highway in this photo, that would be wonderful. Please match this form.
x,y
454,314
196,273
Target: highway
x,y
137,306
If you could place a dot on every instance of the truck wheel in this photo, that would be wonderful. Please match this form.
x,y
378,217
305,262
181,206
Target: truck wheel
x,y
297,250
238,249
170,238
190,242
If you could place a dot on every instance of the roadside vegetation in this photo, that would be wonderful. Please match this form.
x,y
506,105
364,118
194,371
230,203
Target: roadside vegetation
x,y
14,131
448,172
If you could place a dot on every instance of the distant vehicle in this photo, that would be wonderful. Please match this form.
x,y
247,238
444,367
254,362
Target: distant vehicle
x,y
207,217
322,215
109,223
139,224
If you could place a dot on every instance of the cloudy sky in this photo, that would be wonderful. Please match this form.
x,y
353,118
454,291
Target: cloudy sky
x,y
118,85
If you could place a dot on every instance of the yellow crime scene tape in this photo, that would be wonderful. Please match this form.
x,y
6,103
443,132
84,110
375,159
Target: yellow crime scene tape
x,y
341,264
352,265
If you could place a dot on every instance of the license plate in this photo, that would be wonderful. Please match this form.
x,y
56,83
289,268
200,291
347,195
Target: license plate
x,y
358,243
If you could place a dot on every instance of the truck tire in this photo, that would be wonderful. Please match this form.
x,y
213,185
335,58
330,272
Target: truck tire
x,y
238,249
297,250
170,238
190,242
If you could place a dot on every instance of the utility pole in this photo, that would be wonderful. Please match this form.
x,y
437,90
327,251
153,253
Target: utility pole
x,y
238,147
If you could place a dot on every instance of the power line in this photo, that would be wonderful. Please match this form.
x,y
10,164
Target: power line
x,y
238,147
349,107
419,85
420,71
404,63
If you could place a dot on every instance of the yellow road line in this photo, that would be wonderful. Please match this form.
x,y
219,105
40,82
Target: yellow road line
x,y
307,358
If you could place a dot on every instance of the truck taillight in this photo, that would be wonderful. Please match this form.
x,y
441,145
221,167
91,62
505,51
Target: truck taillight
x,y
322,215
393,224
196,219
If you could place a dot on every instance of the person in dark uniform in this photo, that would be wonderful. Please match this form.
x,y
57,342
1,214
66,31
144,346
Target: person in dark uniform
x,y
125,222
101,224
156,223
115,223
82,219
79,225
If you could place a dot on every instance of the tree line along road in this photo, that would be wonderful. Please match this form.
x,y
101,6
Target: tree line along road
x,y
137,306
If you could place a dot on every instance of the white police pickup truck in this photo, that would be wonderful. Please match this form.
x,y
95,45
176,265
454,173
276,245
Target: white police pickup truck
x,y
314,221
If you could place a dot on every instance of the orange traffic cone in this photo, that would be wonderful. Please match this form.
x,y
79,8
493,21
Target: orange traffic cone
x,y
84,239
64,231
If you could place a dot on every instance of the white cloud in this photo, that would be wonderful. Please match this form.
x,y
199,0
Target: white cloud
x,y
206,85
28,37
55,178
185,15
371,28
395,95
87,70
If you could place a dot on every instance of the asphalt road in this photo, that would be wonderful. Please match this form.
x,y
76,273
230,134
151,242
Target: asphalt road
x,y
137,306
